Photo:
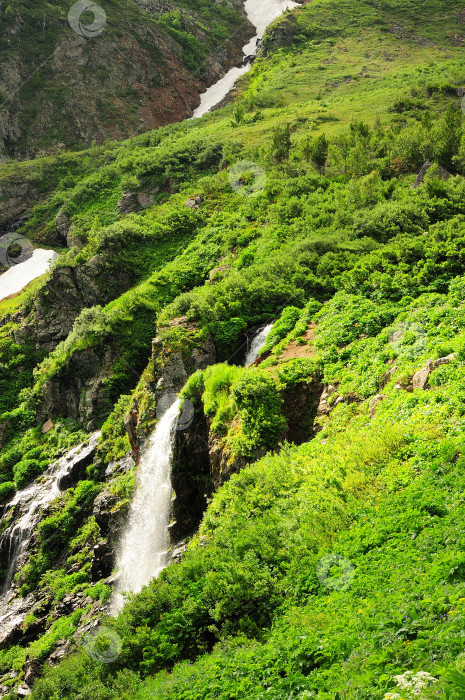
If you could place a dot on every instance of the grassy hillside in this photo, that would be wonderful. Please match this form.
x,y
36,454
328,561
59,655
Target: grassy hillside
x,y
326,569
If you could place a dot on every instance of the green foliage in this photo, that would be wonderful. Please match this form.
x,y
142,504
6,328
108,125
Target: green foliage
x,y
227,334
62,628
100,592
213,387
55,531
318,151
16,365
259,404
26,470
29,453
281,143
282,327
7,489
123,486
114,441
12,659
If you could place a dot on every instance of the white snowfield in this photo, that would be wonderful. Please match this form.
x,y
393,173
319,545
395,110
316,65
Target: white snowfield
x,y
18,276
261,13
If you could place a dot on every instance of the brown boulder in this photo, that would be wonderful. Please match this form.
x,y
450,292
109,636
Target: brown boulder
x,y
420,378
194,202
444,360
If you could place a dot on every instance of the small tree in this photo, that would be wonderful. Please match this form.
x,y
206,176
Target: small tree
x,y
281,143
319,148
447,136
238,113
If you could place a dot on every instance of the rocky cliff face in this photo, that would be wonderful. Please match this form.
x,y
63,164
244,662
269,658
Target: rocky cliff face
x,y
65,294
144,67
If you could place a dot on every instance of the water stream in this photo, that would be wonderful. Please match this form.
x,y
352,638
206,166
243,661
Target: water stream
x,y
33,498
261,13
30,502
256,345
143,549
27,505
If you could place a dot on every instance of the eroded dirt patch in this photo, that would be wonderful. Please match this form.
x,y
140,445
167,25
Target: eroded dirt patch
x,y
295,349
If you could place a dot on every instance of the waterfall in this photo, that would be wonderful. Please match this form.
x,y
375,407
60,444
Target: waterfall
x,y
27,506
16,538
143,549
256,345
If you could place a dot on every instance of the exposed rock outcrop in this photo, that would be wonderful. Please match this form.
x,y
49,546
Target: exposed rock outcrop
x,y
420,378
191,478
440,172
444,360
136,201
300,408
72,467
172,368
110,513
386,377
78,389
148,83
65,294
323,405
15,198
374,403
194,202
218,273
203,462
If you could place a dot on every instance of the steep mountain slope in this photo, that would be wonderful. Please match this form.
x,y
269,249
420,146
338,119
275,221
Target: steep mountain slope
x,y
320,490
70,76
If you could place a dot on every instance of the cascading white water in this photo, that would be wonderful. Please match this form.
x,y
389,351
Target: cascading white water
x,y
28,504
261,13
256,344
19,534
143,549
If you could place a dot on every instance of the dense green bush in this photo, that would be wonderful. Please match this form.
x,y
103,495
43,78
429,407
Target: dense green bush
x,y
7,489
282,327
26,470
259,405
